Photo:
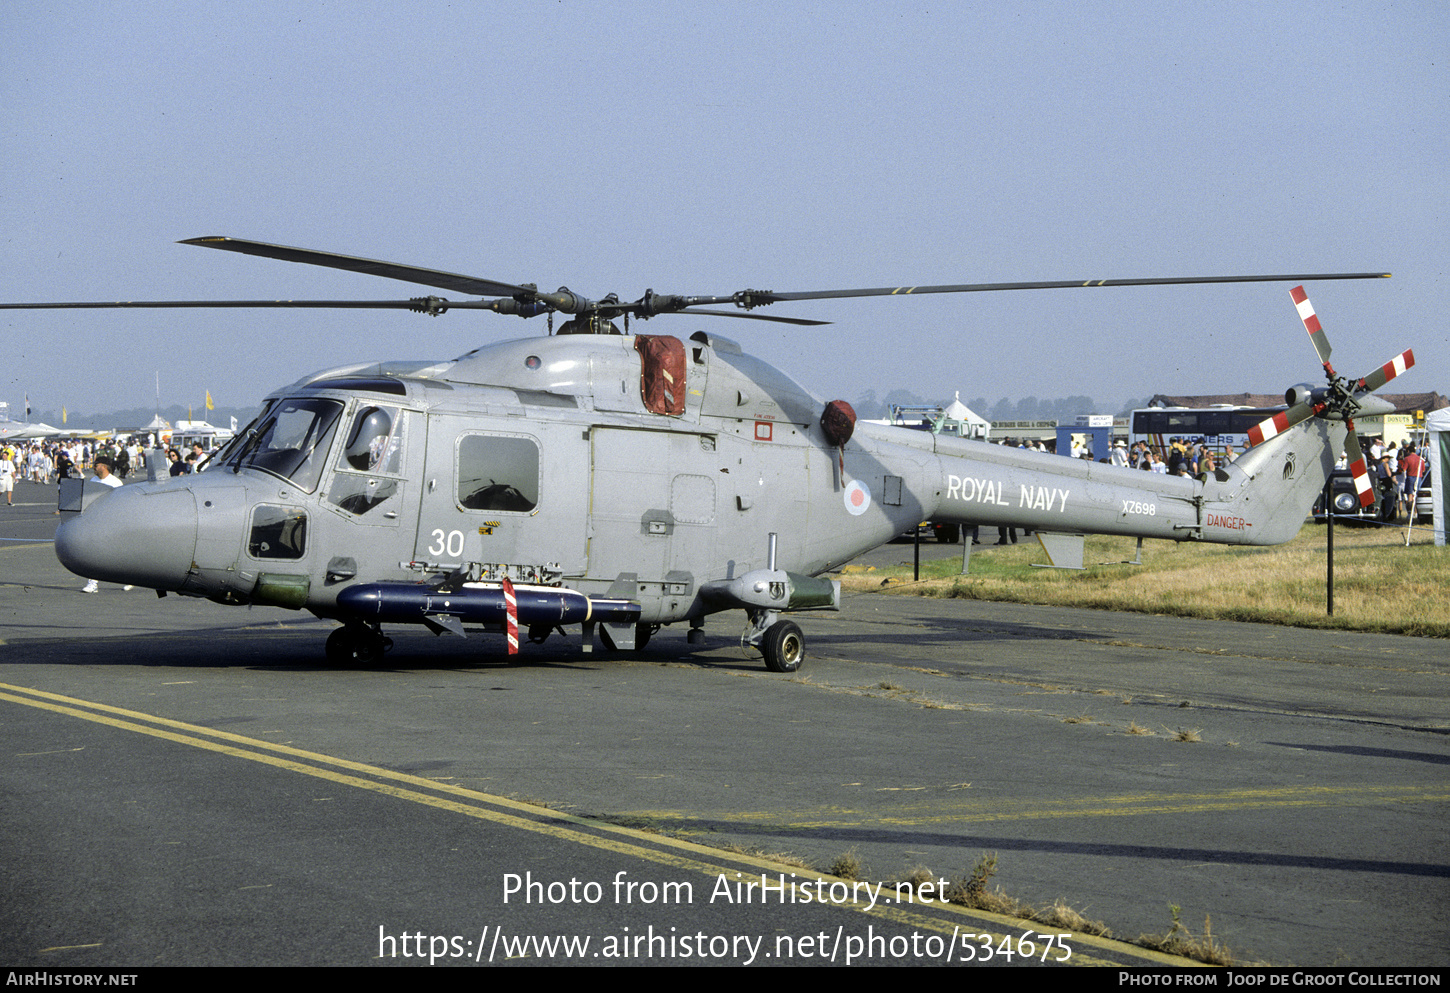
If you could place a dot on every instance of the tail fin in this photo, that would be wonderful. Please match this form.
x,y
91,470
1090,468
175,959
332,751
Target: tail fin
x,y
1264,496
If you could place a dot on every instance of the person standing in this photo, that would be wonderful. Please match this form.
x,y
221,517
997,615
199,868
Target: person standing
x,y
7,477
106,477
1413,467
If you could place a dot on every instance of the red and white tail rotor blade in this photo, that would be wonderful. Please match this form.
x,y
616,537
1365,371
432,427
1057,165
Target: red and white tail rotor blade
x,y
1311,324
1280,422
1357,467
1394,367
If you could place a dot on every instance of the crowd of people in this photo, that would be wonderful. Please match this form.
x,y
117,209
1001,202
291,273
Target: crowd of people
x,y
1397,471
108,462
53,460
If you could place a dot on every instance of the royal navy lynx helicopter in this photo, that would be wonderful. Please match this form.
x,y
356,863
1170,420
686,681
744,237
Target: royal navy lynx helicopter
x,y
626,481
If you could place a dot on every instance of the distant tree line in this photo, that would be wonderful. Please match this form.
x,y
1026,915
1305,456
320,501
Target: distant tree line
x,y
869,406
135,417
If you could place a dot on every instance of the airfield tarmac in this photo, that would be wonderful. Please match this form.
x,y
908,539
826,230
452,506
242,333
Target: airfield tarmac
x,y
189,784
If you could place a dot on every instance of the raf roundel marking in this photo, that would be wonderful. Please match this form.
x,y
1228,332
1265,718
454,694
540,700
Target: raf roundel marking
x,y
858,498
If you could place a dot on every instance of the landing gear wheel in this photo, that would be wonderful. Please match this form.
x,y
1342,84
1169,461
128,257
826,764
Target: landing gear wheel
x,y
353,647
784,647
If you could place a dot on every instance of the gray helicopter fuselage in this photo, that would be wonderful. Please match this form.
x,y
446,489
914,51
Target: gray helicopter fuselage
x,y
543,460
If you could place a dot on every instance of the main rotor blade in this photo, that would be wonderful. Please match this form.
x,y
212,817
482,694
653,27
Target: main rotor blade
x,y
760,297
417,304
472,285
754,317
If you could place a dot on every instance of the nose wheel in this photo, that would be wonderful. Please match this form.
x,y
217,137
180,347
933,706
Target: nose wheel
x,y
357,645
781,642
784,647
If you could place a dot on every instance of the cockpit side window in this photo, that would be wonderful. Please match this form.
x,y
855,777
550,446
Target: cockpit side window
x,y
370,443
371,452
498,473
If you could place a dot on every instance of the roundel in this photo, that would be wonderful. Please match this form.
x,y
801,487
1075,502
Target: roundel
x,y
858,497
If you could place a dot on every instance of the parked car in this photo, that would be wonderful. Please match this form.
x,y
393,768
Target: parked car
x,y
1424,503
947,534
1347,509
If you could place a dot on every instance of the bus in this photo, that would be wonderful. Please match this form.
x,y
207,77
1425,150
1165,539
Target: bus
x,y
1223,428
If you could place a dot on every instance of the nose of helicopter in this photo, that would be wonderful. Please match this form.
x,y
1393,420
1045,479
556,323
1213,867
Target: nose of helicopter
x,y
134,535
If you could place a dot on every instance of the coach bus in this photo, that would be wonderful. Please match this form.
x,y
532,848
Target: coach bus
x,y
1224,429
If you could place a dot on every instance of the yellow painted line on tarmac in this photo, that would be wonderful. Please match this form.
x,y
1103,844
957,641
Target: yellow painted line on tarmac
x,y
307,763
1133,805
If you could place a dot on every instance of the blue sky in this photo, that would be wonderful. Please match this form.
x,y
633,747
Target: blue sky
x,y
706,148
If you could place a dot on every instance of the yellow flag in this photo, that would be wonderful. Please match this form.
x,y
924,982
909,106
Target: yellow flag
x,y
208,401
62,415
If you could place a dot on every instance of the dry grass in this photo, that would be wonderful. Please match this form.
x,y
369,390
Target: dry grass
x,y
1180,941
972,891
846,866
1380,584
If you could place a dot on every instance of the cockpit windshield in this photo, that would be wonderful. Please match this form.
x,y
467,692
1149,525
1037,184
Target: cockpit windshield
x,y
290,440
238,441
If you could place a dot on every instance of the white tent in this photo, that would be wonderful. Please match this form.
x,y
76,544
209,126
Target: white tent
x,y
973,424
1437,422
21,431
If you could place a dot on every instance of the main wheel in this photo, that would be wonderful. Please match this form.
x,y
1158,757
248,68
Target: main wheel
x,y
784,647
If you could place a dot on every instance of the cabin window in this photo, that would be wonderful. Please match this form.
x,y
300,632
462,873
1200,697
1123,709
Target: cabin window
x,y
498,472
277,532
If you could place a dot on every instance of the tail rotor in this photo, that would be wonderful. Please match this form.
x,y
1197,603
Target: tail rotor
x,y
1340,400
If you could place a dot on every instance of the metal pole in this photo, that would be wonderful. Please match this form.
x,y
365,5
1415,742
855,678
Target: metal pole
x,y
1329,558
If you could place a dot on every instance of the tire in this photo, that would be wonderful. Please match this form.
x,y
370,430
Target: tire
x,y
347,647
354,648
784,647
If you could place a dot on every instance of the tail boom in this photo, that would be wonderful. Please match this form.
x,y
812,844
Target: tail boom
x,y
1261,499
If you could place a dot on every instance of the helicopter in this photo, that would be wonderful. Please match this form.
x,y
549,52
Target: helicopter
x,y
614,481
